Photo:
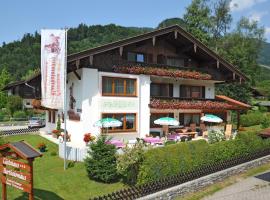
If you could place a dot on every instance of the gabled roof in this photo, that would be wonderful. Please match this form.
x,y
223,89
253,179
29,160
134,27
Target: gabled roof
x,y
10,85
233,101
149,35
23,149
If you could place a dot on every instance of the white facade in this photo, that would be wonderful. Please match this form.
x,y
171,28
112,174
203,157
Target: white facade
x,y
90,104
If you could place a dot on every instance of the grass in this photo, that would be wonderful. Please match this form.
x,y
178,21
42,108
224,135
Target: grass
x,y
225,183
52,182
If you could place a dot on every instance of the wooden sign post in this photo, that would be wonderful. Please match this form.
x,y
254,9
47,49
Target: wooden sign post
x,y
16,167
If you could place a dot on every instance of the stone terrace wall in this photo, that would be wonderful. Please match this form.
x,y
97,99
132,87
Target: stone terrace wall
x,y
200,183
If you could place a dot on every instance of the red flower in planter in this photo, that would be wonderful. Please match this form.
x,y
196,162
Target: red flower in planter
x,y
193,104
161,72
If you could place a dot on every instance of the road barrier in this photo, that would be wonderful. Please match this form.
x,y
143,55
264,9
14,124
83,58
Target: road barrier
x,y
18,131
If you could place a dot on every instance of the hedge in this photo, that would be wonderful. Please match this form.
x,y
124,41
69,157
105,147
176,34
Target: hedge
x,y
253,118
184,157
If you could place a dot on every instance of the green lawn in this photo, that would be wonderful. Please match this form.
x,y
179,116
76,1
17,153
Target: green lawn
x,y
53,183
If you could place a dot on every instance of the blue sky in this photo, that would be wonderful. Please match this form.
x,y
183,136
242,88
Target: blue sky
x,y
26,16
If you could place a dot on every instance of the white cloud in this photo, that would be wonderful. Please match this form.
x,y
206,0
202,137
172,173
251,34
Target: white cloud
x,y
267,31
257,16
239,5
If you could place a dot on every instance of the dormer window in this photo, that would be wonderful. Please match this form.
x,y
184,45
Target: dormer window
x,y
136,57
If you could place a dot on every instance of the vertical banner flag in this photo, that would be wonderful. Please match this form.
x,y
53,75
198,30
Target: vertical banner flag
x,y
53,68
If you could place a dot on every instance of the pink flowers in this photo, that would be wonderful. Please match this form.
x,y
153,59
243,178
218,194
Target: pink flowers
x,y
175,73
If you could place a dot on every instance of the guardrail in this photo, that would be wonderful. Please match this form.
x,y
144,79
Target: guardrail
x,y
18,131
149,188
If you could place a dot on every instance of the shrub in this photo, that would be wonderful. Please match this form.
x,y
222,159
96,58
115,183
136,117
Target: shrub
x,y
184,157
215,136
101,161
252,118
172,159
265,123
14,103
169,143
19,115
53,153
129,162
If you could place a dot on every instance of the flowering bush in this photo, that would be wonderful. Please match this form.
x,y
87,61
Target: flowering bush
x,y
215,136
88,137
162,72
56,131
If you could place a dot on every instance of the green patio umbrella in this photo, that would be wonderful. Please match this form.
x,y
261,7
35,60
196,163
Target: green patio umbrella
x,y
166,121
108,123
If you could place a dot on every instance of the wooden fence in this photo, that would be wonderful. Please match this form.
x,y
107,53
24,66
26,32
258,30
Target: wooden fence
x,y
149,188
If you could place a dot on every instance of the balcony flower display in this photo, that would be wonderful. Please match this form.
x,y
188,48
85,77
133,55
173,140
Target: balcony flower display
x,y
175,73
193,104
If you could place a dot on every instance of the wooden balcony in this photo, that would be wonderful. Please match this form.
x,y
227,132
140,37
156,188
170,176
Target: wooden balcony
x,y
173,103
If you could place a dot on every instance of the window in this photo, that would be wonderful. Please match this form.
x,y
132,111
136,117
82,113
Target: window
x,y
175,62
161,90
128,122
195,92
189,118
136,57
155,116
118,86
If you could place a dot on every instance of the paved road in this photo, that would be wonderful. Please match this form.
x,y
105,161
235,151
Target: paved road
x,y
252,188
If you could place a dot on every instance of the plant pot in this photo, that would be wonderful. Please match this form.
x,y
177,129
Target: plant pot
x,y
42,149
54,135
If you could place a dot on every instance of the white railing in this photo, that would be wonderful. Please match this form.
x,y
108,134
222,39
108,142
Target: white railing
x,y
73,153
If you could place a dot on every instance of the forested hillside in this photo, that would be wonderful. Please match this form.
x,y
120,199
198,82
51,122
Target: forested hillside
x,y
22,57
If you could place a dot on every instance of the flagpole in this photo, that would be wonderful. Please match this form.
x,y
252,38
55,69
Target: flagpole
x,y
65,101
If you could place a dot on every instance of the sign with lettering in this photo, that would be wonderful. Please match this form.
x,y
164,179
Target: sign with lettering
x,y
21,186
14,163
118,104
17,173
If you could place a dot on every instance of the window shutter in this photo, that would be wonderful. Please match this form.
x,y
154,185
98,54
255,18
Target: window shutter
x,y
170,90
149,58
203,92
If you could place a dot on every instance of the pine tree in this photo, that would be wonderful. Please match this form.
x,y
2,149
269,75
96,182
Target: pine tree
x,y
101,162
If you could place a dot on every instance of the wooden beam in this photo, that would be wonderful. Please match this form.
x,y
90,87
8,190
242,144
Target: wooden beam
x,y
195,47
77,64
240,80
91,57
121,50
217,64
238,119
233,76
154,40
77,75
175,34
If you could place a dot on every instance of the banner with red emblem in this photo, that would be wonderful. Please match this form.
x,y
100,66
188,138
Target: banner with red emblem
x,y
53,55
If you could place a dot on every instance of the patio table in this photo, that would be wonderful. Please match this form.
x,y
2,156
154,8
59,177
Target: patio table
x,y
116,143
173,137
153,140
